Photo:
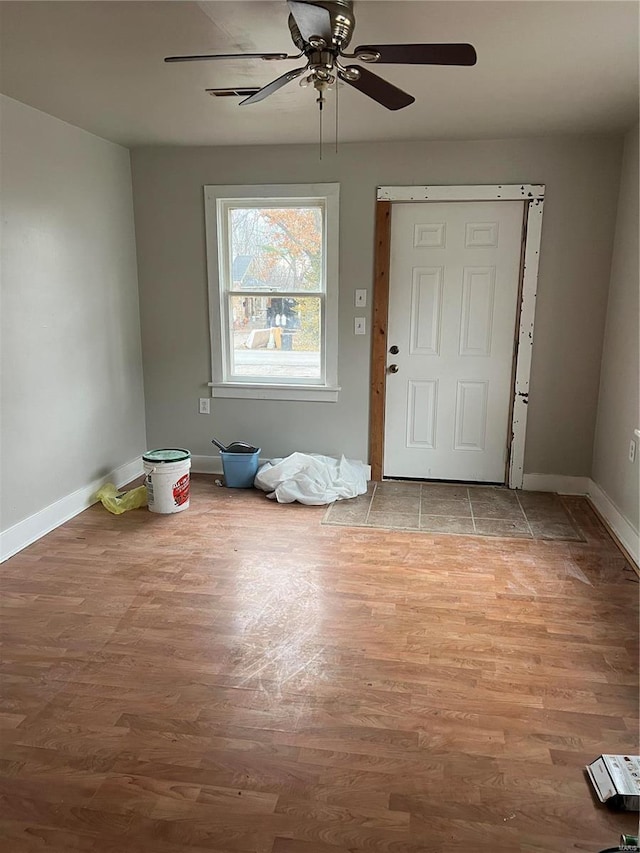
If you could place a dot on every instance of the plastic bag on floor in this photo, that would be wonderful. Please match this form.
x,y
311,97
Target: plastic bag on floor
x,y
118,502
312,479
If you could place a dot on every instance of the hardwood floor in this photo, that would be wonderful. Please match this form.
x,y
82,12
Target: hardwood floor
x,y
239,677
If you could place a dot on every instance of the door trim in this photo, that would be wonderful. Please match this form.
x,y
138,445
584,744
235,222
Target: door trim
x,y
533,197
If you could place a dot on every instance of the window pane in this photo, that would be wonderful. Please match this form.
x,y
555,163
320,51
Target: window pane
x,y
276,339
276,248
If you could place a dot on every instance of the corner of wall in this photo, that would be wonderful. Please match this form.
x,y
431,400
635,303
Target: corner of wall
x,y
30,529
615,479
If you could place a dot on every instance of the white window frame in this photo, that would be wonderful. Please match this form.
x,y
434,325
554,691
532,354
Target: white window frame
x,y
218,200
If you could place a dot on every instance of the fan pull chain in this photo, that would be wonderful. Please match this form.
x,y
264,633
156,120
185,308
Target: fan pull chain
x,y
320,103
337,87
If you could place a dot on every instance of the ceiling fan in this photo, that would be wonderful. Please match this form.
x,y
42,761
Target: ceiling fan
x,y
322,30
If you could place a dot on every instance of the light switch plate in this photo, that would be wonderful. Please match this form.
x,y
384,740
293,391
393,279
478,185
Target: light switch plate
x,y
205,403
360,326
361,298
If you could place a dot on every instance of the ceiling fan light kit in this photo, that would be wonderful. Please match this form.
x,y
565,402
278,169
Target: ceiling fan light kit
x,y
322,30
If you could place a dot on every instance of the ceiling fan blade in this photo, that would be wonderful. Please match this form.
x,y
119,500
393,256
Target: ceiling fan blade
x,y
203,56
272,87
311,20
233,92
375,87
420,54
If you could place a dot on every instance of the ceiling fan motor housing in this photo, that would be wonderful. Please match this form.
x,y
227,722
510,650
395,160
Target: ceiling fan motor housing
x,y
342,24
320,60
322,30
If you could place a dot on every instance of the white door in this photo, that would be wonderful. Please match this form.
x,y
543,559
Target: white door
x,y
453,293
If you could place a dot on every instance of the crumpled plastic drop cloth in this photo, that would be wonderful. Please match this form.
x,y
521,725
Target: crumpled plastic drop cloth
x,y
310,478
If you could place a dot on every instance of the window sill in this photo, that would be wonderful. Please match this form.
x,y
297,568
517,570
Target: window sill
x,y
246,391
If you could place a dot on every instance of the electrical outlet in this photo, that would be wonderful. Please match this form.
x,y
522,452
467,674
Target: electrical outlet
x,y
360,326
632,451
361,298
204,406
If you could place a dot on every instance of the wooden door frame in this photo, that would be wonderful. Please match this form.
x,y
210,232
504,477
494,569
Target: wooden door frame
x,y
533,197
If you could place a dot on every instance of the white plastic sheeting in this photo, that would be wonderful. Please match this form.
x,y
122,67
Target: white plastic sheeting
x,y
312,479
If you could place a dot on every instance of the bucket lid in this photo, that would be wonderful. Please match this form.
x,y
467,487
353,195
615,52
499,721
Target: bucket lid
x,y
167,454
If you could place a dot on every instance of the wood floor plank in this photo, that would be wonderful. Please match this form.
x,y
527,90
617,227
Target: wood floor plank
x,y
239,678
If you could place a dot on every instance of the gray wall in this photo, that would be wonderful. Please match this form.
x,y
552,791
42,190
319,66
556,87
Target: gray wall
x,y
72,391
581,175
618,408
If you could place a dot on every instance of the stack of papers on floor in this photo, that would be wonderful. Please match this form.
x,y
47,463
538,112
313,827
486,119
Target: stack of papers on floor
x,y
616,779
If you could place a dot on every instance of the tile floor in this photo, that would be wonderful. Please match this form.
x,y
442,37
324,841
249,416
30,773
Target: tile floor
x,y
442,508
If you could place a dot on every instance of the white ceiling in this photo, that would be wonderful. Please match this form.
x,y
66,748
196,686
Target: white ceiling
x,y
543,68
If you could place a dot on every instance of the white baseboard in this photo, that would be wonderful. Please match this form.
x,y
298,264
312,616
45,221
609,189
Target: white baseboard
x,y
559,483
30,529
620,525
213,465
207,464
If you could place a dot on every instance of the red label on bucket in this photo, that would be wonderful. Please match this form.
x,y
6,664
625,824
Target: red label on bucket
x,y
181,491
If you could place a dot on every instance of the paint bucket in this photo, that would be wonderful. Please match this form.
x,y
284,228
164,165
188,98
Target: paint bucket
x,y
166,476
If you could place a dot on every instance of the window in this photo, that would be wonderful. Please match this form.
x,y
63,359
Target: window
x,y
272,255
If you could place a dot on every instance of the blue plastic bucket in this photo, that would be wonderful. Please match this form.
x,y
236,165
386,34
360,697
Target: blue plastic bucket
x,y
240,469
